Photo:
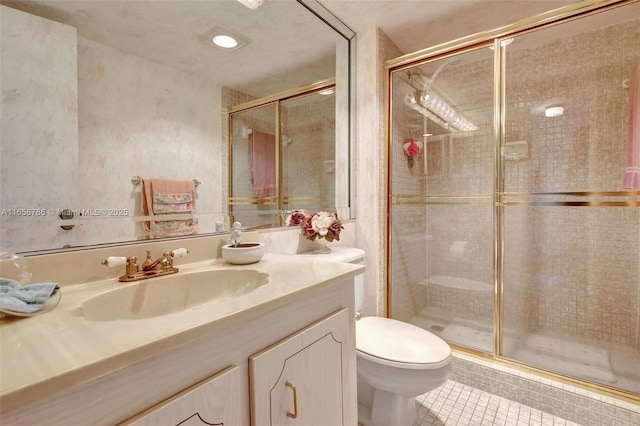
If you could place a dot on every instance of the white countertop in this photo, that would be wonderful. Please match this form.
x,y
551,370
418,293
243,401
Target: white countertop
x,y
61,348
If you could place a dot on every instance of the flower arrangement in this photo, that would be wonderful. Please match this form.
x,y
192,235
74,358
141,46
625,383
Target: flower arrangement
x,y
322,225
412,147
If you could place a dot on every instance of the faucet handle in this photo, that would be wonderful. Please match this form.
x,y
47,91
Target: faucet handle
x,y
181,252
112,261
131,263
166,262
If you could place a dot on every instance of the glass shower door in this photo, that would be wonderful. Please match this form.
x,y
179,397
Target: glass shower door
x,y
572,233
515,236
308,152
253,188
442,177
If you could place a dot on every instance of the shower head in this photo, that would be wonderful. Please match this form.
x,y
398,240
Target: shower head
x,y
418,79
451,61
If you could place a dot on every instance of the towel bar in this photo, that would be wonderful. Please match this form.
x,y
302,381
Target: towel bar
x,y
137,181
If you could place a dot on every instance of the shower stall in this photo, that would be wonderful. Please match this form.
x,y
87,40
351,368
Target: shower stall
x,y
510,234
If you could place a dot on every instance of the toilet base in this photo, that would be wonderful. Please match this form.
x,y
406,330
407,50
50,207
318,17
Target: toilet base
x,y
364,415
388,409
393,409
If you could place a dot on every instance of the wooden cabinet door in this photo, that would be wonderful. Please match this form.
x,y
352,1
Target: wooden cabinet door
x,y
299,380
218,400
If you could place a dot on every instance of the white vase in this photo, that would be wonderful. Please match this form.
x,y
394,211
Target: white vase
x,y
324,248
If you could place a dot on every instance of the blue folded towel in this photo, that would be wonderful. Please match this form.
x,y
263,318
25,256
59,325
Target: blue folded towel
x,y
24,299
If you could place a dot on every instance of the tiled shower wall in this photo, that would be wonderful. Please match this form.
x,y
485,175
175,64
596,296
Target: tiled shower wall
x,y
308,156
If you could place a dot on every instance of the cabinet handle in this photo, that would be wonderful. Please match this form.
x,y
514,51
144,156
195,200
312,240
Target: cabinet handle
x,y
295,401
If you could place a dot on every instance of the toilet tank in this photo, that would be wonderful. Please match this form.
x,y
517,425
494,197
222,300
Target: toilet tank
x,y
347,255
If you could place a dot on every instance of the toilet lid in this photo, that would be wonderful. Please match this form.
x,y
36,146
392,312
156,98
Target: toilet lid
x,y
399,342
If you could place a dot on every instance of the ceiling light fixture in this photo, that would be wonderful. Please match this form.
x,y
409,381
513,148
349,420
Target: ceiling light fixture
x,y
438,110
555,111
252,4
225,41
224,38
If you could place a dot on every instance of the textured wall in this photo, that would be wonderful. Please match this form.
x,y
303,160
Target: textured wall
x,y
137,117
39,159
85,119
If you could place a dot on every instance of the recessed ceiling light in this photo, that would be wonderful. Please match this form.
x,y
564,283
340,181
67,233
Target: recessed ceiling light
x,y
326,92
555,111
224,38
225,41
252,4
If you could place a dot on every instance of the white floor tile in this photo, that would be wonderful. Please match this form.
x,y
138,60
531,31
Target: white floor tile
x,y
454,404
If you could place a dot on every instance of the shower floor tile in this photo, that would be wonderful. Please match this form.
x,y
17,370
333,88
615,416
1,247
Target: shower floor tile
x,y
455,404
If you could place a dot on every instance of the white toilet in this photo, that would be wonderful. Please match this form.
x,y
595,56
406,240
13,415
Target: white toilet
x,y
396,361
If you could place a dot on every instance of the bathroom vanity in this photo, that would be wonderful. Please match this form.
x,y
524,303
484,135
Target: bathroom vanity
x,y
283,350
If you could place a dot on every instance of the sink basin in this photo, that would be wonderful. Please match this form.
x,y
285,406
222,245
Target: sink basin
x,y
173,293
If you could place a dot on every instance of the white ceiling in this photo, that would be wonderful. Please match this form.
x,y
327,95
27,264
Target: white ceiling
x,y
418,24
167,31
290,47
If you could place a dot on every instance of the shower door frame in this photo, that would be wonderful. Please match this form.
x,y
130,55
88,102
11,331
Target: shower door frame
x,y
501,199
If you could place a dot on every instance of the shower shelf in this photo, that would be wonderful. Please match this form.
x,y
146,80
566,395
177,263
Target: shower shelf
x,y
515,151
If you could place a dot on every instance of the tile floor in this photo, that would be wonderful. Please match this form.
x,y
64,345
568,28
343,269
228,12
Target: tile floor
x,y
455,404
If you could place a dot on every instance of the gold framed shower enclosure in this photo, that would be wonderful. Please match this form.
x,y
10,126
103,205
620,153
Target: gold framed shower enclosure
x,y
432,187
266,115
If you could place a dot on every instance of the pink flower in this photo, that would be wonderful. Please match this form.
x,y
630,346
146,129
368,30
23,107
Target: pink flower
x,y
307,228
297,217
412,147
334,230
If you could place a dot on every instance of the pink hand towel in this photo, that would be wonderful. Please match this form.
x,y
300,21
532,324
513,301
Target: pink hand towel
x,y
632,173
263,164
169,196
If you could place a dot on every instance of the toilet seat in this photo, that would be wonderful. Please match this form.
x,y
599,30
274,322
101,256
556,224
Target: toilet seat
x,y
394,343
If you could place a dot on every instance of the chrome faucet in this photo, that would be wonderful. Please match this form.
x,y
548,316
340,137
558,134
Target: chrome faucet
x,y
149,269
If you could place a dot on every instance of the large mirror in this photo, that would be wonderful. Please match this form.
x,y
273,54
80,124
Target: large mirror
x,y
96,94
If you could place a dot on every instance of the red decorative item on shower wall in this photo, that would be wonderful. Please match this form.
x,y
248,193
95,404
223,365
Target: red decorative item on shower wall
x,y
412,147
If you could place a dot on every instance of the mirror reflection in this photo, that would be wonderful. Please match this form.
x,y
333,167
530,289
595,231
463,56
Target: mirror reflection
x,y
283,157
95,94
